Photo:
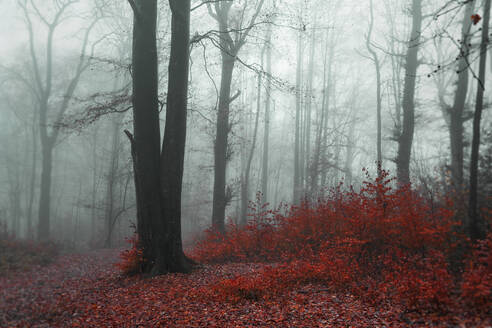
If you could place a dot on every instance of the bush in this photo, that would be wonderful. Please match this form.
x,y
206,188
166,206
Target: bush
x,y
477,279
379,243
131,259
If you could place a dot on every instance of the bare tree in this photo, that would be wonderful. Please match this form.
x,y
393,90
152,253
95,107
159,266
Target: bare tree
x,y
49,111
475,224
158,175
232,37
377,66
405,139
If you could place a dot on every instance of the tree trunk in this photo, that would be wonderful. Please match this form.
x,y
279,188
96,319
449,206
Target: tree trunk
x,y
245,184
405,140
377,66
297,142
221,144
475,224
266,136
111,182
45,189
146,139
32,182
170,257
457,110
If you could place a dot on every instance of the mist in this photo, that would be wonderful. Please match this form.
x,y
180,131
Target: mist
x,y
118,124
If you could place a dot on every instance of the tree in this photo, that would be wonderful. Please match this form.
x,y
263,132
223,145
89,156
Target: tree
x,y
247,170
44,91
377,66
158,175
231,40
456,111
474,227
408,103
266,129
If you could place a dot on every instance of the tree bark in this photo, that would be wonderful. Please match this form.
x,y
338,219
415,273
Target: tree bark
x,y
45,189
456,112
146,139
377,66
266,129
475,223
297,138
221,144
405,140
170,257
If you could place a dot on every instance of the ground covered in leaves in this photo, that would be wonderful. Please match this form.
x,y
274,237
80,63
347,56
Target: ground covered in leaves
x,y
86,290
377,257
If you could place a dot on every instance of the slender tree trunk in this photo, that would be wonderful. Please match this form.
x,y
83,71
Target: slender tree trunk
x,y
32,182
377,66
245,184
322,113
456,111
475,223
45,189
111,182
297,139
94,187
221,145
308,114
405,140
266,135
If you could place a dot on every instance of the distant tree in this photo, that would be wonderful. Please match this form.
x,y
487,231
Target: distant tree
x,y
233,32
405,139
377,66
51,111
475,225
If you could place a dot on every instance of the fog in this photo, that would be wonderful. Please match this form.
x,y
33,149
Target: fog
x,y
302,111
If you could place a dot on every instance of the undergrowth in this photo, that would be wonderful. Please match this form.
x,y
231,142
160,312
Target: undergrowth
x,y
20,255
379,243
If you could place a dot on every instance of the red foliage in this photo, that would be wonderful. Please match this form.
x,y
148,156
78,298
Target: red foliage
x,y
372,258
477,278
378,243
131,259
475,18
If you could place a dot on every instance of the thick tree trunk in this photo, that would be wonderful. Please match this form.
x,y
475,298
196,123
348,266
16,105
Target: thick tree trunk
x,y
221,144
475,224
405,140
170,257
146,139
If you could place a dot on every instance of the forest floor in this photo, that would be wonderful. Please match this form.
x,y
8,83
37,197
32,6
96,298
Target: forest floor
x,y
87,290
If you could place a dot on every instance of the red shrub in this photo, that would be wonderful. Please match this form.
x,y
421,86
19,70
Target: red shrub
x,y
131,259
477,278
380,242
